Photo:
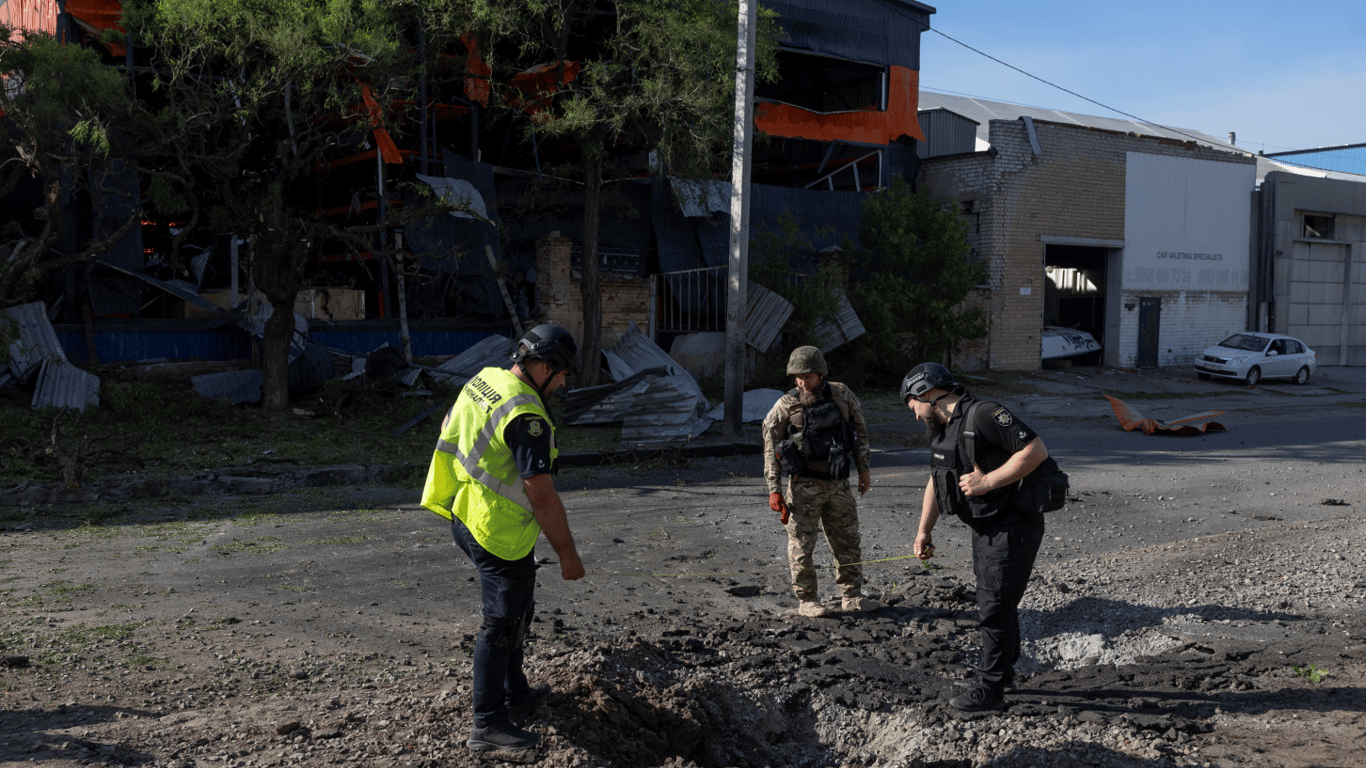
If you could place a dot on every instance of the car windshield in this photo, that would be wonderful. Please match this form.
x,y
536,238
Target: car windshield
x,y
1244,341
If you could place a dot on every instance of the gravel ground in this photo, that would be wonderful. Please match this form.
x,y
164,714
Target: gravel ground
x,y
1204,622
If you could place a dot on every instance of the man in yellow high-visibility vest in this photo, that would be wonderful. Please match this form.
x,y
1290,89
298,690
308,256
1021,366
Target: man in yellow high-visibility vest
x,y
491,477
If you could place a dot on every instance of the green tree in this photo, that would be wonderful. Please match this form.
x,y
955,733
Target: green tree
x,y
271,90
64,113
785,261
641,86
912,276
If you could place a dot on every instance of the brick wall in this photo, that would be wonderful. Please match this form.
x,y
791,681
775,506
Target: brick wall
x,y
625,298
1074,188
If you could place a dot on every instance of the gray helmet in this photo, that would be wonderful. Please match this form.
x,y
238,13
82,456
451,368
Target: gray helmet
x,y
550,344
806,360
927,376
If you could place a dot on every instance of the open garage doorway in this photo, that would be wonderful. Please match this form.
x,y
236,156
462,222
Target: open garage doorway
x,y
1074,295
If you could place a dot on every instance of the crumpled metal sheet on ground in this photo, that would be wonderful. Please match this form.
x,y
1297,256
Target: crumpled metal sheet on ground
x,y
666,413
671,408
608,403
236,387
1130,419
635,352
63,385
492,352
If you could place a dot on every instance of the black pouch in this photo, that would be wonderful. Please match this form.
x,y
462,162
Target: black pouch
x,y
1044,490
790,459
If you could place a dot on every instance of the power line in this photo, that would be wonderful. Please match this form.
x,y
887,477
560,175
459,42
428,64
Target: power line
x,y
1059,87
979,52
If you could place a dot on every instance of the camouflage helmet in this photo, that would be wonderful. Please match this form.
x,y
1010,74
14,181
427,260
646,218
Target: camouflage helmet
x,y
806,360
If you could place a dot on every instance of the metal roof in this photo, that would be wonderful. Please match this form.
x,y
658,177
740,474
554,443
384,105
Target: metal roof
x,y
982,111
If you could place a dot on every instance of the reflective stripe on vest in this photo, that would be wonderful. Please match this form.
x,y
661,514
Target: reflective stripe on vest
x,y
515,494
473,475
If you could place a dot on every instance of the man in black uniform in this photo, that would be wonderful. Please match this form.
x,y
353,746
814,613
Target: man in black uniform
x,y
979,454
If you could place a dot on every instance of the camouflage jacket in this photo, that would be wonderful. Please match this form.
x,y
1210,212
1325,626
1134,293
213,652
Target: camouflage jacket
x,y
788,411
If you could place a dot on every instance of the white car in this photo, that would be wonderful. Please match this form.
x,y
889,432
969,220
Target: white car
x,y
1255,356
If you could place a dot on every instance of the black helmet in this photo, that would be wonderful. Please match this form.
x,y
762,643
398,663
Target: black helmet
x,y
927,376
550,344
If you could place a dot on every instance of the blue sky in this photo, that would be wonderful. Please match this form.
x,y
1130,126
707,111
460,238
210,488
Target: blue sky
x,y
1280,75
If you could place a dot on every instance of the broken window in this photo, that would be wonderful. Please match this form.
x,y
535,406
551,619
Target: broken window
x,y
1319,226
824,84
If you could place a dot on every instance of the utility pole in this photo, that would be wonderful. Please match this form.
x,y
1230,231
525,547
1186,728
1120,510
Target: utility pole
x,y
737,283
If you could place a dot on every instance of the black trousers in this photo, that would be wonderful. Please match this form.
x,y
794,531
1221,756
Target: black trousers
x,y
1003,558
507,589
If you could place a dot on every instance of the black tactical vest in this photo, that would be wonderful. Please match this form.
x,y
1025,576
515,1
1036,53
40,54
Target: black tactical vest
x,y
824,445
949,460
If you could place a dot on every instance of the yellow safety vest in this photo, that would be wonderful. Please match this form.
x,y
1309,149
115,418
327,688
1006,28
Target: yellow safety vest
x,y
473,475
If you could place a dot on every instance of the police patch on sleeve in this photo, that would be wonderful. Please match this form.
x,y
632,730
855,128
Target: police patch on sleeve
x,y
535,427
1003,417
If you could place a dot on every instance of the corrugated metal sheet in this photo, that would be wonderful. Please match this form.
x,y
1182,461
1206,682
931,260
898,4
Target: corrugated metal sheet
x,y
635,352
946,133
607,403
235,386
36,342
765,313
666,413
308,371
491,351
846,328
63,385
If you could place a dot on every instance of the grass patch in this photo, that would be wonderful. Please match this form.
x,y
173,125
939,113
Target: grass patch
x,y
168,428
57,592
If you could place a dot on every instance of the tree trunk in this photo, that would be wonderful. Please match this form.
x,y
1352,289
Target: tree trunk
x,y
590,345
279,333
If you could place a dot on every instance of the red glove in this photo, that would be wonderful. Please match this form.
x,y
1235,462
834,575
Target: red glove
x,y
775,503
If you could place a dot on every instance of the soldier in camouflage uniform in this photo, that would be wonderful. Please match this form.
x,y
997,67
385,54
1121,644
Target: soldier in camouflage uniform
x,y
815,435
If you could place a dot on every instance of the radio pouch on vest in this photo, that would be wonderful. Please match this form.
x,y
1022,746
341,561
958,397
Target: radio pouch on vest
x,y
1043,490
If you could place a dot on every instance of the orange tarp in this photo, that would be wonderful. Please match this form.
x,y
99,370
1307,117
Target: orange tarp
x,y
872,126
477,84
387,148
100,14
1131,419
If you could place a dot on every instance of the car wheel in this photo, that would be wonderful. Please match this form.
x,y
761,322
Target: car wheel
x,y
1303,375
1253,376
1202,375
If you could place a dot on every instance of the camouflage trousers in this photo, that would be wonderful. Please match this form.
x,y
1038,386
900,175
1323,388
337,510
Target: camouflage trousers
x,y
828,504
